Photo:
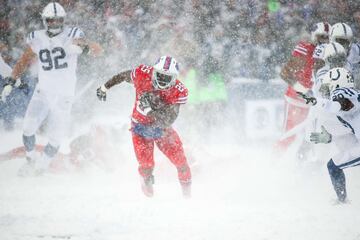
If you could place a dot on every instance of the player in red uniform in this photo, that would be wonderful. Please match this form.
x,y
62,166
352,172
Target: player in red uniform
x,y
159,95
297,73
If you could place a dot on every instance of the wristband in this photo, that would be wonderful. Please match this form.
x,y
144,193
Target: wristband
x,y
103,88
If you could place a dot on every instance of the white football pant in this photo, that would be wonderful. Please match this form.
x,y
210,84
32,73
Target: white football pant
x,y
55,110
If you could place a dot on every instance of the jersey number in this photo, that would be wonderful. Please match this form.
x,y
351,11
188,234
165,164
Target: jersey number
x,y
52,59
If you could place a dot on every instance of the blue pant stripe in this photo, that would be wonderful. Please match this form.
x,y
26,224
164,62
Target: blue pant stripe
x,y
345,165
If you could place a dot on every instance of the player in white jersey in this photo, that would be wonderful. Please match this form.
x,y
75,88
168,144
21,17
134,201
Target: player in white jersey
x,y
56,49
5,69
343,34
344,104
332,55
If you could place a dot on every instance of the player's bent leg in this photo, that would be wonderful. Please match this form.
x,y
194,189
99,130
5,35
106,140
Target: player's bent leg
x,y
184,175
30,154
338,181
171,146
144,151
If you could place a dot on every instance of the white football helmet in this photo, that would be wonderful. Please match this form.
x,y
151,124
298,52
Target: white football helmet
x,y
165,72
320,32
343,34
339,77
335,55
53,17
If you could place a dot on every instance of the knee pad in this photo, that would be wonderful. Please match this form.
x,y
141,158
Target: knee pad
x,y
50,150
29,142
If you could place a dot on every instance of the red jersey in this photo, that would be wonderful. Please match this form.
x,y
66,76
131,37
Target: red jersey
x,y
303,50
142,80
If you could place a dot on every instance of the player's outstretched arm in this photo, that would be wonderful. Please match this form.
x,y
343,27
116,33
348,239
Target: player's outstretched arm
x,y
89,47
23,63
117,79
20,67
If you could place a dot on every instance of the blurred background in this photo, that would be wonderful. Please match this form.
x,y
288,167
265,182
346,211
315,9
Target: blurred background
x,y
230,53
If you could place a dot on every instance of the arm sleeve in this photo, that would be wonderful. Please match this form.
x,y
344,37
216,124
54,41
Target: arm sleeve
x,y
32,41
180,96
5,70
300,51
328,105
319,52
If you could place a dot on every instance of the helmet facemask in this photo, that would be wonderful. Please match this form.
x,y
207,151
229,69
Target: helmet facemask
x,y
344,42
163,80
54,26
322,38
165,72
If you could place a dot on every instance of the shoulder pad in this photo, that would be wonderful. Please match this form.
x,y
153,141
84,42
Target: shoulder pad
x,y
31,36
75,32
182,93
344,93
302,48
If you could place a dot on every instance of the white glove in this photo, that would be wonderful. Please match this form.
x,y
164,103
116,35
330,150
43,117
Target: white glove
x,y
321,137
6,92
9,84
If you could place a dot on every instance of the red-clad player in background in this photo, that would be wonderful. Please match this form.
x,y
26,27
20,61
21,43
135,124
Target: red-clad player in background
x,y
159,95
297,73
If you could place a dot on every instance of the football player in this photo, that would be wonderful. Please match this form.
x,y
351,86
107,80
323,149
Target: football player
x,y
297,73
159,95
56,49
344,105
343,34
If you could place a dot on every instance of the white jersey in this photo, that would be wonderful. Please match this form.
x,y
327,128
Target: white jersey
x,y
319,51
317,76
57,60
352,61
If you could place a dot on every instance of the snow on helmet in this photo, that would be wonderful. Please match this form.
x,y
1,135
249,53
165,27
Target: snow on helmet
x,y
320,32
53,17
166,70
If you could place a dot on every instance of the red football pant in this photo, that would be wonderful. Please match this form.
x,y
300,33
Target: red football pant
x,y
170,144
294,115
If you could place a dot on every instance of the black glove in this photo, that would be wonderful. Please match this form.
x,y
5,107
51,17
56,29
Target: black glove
x,y
24,87
101,93
9,81
308,99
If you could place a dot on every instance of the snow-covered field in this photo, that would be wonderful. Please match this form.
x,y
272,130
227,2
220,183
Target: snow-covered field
x,y
238,193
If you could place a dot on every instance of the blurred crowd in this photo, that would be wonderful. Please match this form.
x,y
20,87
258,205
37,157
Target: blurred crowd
x,y
231,38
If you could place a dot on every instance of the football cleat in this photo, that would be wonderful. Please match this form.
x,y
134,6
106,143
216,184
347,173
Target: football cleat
x,y
147,185
186,189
